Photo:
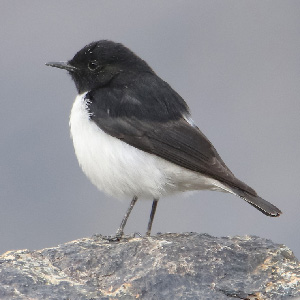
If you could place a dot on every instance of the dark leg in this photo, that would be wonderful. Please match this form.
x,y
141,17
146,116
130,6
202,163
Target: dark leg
x,y
120,231
154,205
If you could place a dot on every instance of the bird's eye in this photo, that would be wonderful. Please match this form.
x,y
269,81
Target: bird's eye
x,y
93,65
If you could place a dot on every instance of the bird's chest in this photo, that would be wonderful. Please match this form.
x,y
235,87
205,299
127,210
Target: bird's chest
x,y
112,165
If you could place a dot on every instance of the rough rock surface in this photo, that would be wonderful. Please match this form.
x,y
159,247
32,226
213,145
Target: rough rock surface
x,y
166,266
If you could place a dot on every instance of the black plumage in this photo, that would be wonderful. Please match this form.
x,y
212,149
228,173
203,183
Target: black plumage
x,y
127,100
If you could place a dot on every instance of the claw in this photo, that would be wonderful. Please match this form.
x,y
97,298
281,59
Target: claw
x,y
136,234
112,238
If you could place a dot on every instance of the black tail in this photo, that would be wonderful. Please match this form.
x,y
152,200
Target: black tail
x,y
262,205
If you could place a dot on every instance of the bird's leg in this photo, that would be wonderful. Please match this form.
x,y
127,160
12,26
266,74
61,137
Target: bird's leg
x,y
120,231
154,205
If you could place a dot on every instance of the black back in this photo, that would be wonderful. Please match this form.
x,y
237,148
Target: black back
x,y
127,100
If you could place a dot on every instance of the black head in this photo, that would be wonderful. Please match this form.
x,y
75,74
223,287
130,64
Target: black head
x,y
98,63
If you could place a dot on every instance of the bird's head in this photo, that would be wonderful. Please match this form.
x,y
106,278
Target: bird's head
x,y
98,63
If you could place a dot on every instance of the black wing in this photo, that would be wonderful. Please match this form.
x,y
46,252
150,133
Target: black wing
x,y
143,118
149,115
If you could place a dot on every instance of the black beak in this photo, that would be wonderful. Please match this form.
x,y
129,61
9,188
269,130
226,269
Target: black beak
x,y
62,65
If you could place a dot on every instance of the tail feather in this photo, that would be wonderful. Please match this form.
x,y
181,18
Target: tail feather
x,y
259,203
262,205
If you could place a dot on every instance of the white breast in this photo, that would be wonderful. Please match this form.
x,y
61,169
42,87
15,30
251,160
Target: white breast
x,y
123,170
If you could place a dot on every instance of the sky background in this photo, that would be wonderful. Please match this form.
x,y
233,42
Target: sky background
x,y
236,64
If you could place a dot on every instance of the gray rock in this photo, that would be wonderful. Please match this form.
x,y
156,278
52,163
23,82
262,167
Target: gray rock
x,y
166,266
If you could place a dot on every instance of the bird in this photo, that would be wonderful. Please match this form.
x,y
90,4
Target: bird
x,y
134,136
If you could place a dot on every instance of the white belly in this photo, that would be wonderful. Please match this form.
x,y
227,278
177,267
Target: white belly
x,y
121,170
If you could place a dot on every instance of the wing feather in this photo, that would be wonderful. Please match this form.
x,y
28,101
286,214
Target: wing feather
x,y
152,117
175,141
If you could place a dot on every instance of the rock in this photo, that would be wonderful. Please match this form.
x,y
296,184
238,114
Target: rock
x,y
166,266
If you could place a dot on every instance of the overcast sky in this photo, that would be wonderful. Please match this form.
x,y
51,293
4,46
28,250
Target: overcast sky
x,y
237,65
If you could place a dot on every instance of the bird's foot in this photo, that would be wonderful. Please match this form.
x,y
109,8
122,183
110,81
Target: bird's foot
x,y
136,234
113,238
120,236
